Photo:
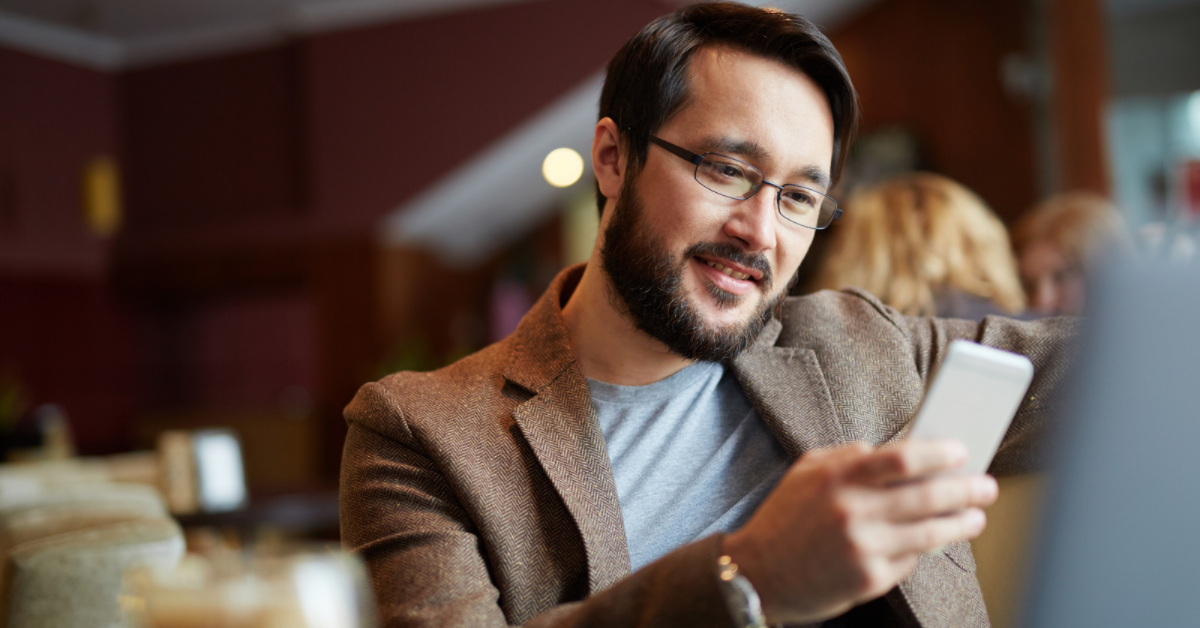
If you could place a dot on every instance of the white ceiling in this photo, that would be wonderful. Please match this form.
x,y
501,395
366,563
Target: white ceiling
x,y
114,35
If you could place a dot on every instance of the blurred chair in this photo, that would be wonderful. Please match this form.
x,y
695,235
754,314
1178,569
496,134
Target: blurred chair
x,y
73,579
70,508
66,546
70,529
926,246
293,586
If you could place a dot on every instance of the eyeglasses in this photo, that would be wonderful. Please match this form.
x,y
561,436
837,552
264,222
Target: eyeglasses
x,y
736,179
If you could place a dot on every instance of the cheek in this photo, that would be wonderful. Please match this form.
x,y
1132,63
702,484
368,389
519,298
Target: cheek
x,y
792,253
681,218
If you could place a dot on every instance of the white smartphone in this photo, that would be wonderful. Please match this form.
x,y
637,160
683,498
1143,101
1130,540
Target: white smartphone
x,y
973,398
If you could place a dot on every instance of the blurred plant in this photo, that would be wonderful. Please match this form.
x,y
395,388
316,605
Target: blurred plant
x,y
13,399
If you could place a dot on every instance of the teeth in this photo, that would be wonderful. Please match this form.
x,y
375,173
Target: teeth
x,y
729,271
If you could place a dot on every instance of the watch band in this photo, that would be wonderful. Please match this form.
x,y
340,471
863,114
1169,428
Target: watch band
x,y
740,597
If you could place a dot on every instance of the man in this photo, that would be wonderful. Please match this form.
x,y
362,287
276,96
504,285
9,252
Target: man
x,y
666,439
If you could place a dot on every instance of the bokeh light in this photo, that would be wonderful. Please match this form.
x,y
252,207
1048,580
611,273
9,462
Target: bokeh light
x,y
562,167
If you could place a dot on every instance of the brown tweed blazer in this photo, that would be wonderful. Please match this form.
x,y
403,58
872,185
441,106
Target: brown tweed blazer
x,y
481,494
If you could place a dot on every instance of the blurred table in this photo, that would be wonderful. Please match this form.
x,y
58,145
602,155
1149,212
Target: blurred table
x,y
309,514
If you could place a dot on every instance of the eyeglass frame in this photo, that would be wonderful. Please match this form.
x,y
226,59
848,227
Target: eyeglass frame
x,y
697,159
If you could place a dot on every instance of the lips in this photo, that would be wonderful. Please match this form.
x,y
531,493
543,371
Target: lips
x,y
732,265
730,268
727,270
728,279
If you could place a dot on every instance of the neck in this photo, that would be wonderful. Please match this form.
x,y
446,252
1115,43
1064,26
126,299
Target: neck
x,y
609,347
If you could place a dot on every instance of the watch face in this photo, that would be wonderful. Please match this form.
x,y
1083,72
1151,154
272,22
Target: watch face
x,y
740,597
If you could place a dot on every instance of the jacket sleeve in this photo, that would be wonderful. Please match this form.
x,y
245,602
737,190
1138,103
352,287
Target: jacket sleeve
x,y
426,557
1051,345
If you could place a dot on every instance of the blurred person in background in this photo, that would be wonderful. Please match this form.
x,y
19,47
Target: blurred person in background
x,y
926,246
1059,242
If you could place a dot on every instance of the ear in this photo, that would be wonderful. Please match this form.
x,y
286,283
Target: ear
x,y
608,160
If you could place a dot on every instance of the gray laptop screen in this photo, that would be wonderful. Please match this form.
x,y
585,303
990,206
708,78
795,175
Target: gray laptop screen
x,y
1120,544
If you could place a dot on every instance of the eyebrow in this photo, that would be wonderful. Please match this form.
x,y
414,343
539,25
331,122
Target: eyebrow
x,y
753,151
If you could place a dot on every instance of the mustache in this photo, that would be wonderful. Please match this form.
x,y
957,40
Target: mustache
x,y
736,255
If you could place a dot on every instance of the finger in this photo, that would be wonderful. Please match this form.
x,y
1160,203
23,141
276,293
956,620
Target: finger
x,y
837,458
849,451
935,532
909,460
936,496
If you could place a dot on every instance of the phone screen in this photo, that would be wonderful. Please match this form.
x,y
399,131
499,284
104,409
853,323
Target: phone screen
x,y
973,398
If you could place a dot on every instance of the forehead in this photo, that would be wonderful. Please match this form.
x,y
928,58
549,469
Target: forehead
x,y
745,97
1041,256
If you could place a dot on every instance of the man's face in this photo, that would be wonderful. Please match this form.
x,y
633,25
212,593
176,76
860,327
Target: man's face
x,y
701,272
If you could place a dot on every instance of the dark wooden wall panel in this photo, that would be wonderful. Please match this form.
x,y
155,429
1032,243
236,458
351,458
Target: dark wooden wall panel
x,y
933,66
1080,69
213,142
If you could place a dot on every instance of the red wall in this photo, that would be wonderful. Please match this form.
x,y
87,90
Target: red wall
x,y
70,342
212,144
62,332
253,183
53,119
394,107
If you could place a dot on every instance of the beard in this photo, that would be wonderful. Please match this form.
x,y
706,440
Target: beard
x,y
648,284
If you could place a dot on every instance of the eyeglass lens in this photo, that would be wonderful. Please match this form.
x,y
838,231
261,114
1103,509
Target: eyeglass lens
x,y
734,179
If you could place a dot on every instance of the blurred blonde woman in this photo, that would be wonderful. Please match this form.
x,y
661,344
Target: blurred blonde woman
x,y
1059,243
927,246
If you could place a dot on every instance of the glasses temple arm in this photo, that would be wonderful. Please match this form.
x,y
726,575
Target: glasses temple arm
x,y
682,153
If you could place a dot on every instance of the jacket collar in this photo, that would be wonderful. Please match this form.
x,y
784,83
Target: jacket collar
x,y
787,387
542,344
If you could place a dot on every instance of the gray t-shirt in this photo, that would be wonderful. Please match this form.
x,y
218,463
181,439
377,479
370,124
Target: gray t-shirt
x,y
690,455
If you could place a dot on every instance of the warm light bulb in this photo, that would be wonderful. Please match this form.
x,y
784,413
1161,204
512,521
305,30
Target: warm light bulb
x,y
562,167
102,196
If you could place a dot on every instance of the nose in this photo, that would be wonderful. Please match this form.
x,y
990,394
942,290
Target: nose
x,y
752,222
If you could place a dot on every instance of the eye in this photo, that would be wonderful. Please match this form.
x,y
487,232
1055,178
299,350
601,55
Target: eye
x,y
800,197
723,173
729,170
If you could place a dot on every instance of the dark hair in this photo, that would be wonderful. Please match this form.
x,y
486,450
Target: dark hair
x,y
647,80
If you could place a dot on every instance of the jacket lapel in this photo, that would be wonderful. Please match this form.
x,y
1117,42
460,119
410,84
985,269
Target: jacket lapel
x,y
559,423
787,387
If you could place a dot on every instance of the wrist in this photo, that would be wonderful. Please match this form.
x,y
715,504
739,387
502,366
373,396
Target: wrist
x,y
744,555
741,599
